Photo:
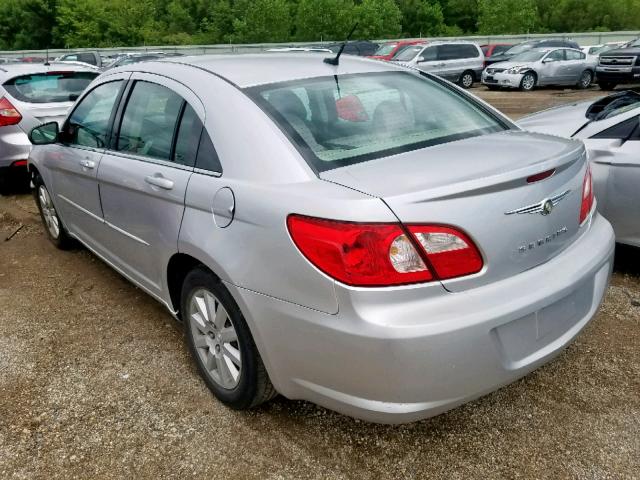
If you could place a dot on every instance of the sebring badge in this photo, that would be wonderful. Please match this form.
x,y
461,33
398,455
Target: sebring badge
x,y
545,207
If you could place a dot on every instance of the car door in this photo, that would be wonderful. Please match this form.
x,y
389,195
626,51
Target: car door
x,y
553,70
615,154
451,61
144,175
427,60
575,65
74,162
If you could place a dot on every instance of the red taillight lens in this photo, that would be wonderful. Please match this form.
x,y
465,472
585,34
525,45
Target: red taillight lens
x,y
377,254
587,196
8,113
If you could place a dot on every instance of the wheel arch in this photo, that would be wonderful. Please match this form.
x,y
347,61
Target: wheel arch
x,y
178,266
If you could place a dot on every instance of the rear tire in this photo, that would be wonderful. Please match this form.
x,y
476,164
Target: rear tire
x,y
221,343
56,232
467,79
586,79
528,82
607,86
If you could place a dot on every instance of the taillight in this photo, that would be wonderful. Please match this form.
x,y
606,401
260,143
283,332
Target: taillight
x,y
587,196
8,113
380,254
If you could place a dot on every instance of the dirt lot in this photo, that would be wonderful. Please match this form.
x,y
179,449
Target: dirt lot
x,y
96,382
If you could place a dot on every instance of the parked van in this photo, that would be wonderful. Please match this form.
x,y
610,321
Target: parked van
x,y
460,62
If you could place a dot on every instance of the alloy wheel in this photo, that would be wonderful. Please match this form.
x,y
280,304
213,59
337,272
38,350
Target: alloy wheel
x,y
586,80
528,82
215,338
49,212
467,80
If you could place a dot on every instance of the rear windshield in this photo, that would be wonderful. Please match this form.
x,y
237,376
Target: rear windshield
x,y
342,120
386,49
49,87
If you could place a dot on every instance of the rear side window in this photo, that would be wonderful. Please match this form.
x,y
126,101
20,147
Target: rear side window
x,y
627,130
149,121
187,138
573,55
353,118
456,52
49,87
207,155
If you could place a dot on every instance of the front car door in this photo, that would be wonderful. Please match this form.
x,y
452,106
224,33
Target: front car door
x,y
73,164
553,69
427,60
615,154
144,175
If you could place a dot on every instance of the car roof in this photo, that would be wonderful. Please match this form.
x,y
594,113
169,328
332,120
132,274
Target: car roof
x,y
245,70
8,70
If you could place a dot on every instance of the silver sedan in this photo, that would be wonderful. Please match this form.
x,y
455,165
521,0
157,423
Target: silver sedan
x,y
353,233
539,67
610,129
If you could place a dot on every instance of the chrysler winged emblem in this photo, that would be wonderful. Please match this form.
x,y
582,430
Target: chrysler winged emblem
x,y
545,207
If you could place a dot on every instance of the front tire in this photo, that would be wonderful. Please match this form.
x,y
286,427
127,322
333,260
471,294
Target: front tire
x,y
49,215
221,343
586,79
466,79
528,82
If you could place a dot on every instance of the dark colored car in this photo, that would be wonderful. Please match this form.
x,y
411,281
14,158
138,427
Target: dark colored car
x,y
528,45
387,50
619,66
361,48
494,49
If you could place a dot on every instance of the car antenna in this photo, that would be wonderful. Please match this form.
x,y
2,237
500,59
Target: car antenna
x,y
336,60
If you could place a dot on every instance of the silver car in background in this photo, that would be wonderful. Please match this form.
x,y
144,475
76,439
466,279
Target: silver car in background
x,y
540,67
459,62
610,129
364,236
31,94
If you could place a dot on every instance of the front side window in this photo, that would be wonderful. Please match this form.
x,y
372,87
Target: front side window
x,y
149,121
49,87
88,125
555,56
359,117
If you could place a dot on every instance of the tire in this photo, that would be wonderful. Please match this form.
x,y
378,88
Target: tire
x,y
466,79
231,367
607,85
56,232
528,82
586,79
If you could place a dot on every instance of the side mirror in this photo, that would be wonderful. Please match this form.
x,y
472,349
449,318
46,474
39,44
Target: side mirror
x,y
45,134
420,59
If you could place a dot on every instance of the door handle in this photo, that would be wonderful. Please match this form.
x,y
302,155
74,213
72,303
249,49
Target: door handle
x,y
159,181
90,164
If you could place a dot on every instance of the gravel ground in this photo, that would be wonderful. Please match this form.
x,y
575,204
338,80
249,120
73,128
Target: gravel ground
x,y
96,381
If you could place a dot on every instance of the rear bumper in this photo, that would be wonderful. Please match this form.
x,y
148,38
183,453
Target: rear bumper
x,y
14,145
399,355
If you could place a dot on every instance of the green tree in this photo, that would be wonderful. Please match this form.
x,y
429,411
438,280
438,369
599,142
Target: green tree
x,y
462,14
506,16
323,19
378,19
27,24
264,21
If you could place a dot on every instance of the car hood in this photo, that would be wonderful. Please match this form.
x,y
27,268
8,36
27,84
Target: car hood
x,y
510,64
563,121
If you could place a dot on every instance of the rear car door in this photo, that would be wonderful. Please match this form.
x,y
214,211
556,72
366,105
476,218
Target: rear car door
x,y
617,149
575,65
74,163
452,63
144,175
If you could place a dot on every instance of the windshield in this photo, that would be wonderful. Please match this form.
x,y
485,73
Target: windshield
x,y
530,56
386,49
49,87
407,54
521,47
337,121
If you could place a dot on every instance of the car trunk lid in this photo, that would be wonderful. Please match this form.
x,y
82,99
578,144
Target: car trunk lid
x,y
473,184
